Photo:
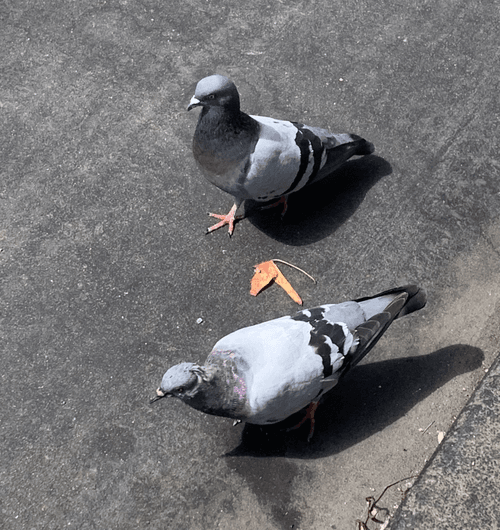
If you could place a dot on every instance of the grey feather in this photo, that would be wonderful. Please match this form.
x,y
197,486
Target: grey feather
x,y
264,373
260,158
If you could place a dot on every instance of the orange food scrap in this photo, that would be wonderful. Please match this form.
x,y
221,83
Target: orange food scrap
x,y
266,273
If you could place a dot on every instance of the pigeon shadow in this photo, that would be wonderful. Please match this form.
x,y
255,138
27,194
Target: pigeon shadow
x,y
370,398
318,210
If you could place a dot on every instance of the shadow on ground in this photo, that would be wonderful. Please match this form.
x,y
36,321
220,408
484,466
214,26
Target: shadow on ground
x,y
319,210
369,399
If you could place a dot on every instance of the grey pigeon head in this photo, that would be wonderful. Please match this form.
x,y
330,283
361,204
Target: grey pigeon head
x,y
178,381
215,90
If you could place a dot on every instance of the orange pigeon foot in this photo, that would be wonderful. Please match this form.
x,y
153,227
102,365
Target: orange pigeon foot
x,y
228,219
282,200
309,415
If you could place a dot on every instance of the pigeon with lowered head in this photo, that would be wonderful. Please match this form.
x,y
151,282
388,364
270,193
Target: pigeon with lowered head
x,y
264,159
263,374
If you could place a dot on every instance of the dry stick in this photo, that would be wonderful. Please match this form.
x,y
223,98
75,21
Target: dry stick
x,y
372,503
295,267
427,428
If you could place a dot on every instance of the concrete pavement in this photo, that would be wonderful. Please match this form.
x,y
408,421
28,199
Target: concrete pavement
x,y
106,271
459,486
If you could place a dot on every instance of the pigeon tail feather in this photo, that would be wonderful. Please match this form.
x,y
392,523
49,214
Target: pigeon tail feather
x,y
342,152
417,298
363,147
405,300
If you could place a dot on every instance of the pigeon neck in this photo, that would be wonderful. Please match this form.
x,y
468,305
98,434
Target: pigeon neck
x,y
223,137
214,394
224,119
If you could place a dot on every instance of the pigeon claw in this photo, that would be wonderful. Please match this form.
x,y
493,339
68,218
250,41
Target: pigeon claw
x,y
309,415
228,219
281,201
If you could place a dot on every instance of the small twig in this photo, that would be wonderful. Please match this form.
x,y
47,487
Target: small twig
x,y
372,503
295,267
428,427
391,485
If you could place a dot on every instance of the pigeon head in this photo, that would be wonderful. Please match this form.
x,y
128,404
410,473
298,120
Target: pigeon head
x,y
179,381
215,91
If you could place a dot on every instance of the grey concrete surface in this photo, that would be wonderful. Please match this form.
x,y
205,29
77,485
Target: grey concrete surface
x,y
459,487
105,267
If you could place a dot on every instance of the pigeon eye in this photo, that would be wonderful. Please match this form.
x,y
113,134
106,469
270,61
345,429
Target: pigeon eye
x,y
180,390
211,96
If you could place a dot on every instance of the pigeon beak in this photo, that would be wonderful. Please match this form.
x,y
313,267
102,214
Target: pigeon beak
x,y
159,395
195,102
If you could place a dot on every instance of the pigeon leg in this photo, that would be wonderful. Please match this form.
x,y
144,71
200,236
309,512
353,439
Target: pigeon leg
x,y
282,200
309,415
228,219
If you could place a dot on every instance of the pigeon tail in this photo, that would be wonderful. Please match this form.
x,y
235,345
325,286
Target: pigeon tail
x,y
347,146
417,298
363,147
398,302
